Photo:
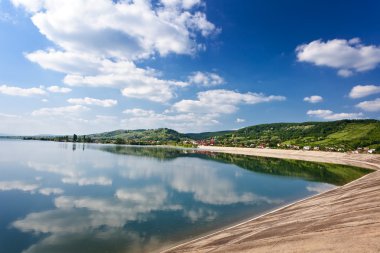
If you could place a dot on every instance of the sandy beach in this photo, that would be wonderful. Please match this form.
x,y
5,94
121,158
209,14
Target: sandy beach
x,y
346,219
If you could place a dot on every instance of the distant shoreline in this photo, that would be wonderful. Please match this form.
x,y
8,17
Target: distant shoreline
x,y
276,231
358,160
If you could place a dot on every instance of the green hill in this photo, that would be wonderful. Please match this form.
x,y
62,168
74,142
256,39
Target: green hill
x,y
334,135
160,135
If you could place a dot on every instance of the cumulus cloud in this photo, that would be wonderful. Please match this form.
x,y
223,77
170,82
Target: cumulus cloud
x,y
205,79
155,194
60,111
28,187
200,214
93,101
313,99
320,188
82,181
101,47
348,56
360,91
239,120
195,115
57,89
23,92
203,182
221,101
370,106
50,191
17,185
330,115
186,4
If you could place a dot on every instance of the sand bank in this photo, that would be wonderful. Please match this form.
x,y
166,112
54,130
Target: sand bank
x,y
346,219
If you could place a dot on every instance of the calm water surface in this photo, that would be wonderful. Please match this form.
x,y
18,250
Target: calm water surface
x,y
68,198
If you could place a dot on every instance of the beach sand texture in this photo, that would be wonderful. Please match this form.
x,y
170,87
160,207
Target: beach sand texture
x,y
346,219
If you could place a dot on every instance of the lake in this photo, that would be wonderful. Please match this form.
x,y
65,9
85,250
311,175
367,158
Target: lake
x,y
68,198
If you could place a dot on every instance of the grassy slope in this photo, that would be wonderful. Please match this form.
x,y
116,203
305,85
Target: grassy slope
x,y
206,135
345,133
161,134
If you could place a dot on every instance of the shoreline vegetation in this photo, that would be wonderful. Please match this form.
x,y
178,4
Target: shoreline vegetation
x,y
312,171
355,136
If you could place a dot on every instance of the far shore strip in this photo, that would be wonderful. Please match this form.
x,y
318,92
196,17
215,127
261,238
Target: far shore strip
x,y
345,219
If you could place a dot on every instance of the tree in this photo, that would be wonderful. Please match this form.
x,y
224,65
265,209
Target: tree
x,y
120,141
75,138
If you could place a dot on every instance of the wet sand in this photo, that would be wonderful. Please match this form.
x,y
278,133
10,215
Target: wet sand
x,y
346,219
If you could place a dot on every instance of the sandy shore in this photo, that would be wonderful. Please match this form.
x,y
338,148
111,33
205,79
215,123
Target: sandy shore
x,y
346,219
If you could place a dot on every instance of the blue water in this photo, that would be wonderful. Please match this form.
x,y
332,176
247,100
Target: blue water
x,y
67,198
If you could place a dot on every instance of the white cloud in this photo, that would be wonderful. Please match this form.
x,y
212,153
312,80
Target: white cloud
x,y
370,106
348,56
126,29
93,101
87,181
23,92
100,48
137,112
57,89
194,115
29,5
320,188
239,120
87,70
200,214
345,73
17,185
221,101
28,187
313,99
50,191
205,79
186,4
330,115
138,118
203,182
152,193
59,111
360,91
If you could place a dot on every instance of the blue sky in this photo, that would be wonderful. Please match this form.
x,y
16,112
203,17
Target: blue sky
x,y
97,65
